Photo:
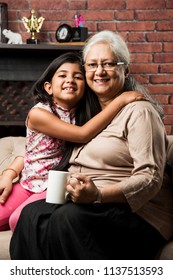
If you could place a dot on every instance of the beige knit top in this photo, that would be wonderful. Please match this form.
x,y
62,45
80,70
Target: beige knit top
x,y
131,152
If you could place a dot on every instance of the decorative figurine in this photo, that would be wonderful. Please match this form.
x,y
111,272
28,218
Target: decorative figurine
x,y
78,20
33,25
14,38
80,33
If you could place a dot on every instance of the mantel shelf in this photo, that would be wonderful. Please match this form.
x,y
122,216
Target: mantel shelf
x,y
42,46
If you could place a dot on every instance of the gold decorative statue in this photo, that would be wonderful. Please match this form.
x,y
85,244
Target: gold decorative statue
x,y
33,25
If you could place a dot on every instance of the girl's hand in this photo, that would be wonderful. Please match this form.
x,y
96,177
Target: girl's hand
x,y
81,189
6,186
131,96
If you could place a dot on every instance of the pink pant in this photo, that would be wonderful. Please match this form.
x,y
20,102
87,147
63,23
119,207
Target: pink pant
x,y
10,211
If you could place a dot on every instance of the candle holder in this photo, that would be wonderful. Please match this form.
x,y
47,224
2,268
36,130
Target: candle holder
x,y
33,25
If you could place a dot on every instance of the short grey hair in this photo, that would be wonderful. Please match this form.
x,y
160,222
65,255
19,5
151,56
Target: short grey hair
x,y
115,41
120,50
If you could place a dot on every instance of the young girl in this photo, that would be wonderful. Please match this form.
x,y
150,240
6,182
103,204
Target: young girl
x,y
61,103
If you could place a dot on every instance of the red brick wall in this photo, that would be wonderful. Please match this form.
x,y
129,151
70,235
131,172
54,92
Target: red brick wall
x,y
146,25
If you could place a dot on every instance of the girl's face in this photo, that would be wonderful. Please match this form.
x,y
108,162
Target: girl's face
x,y
106,84
67,85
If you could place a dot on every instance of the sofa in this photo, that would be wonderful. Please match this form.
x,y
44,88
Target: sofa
x,y
10,147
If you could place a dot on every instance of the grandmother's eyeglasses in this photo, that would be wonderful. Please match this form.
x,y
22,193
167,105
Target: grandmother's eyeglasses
x,y
92,67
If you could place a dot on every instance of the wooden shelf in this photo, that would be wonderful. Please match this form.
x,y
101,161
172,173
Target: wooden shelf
x,y
43,46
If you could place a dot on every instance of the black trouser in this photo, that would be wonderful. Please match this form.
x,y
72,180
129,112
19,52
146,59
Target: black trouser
x,y
72,231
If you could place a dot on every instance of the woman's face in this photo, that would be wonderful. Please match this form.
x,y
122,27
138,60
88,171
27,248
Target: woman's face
x,y
106,84
67,85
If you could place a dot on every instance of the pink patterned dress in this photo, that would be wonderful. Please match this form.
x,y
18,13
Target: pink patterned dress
x,y
43,153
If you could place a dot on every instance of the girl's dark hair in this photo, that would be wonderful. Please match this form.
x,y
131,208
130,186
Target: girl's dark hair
x,y
38,91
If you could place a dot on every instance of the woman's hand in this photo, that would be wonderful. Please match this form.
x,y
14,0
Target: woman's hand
x,y
81,189
6,186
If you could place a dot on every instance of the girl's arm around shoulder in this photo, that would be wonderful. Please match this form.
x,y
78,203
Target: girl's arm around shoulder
x,y
43,121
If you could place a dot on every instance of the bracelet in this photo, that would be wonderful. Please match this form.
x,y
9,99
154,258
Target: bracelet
x,y
10,169
99,197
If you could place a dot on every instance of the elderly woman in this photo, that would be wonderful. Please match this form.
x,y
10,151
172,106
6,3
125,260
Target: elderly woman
x,y
116,207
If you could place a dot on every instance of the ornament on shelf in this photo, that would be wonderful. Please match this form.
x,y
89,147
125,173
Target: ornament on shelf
x,y
33,25
80,33
79,20
13,38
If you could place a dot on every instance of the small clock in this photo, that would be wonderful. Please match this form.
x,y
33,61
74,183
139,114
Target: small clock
x,y
63,33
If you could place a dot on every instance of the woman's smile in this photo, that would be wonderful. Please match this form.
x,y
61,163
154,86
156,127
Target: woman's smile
x,y
101,81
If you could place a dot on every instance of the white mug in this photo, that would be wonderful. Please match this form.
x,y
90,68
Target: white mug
x,y
56,190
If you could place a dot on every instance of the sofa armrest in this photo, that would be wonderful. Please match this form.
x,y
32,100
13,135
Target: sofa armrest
x,y
10,148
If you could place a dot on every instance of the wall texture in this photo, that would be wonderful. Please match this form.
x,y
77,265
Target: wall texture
x,y
146,25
